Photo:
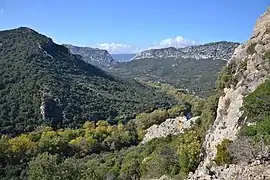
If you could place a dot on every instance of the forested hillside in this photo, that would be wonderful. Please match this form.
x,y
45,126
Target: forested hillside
x,y
97,151
197,76
43,83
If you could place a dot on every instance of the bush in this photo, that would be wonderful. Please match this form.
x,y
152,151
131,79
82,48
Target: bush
x,y
51,167
256,105
146,120
243,150
176,111
226,77
223,155
188,148
208,115
164,160
258,131
256,108
251,49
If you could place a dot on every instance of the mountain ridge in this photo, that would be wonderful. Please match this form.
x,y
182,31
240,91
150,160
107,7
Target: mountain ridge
x,y
95,56
215,50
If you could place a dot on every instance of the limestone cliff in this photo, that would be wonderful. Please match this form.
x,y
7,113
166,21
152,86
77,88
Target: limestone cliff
x,y
95,56
169,127
250,69
216,50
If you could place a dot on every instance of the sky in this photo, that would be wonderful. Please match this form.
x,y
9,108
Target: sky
x,y
129,26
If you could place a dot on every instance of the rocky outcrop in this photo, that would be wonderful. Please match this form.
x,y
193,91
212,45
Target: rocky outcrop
x,y
254,171
168,127
219,50
251,70
50,110
95,56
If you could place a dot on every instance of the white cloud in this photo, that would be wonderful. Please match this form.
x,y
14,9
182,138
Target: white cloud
x,y
177,42
117,48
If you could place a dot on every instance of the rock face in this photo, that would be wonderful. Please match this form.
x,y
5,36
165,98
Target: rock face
x,y
95,56
218,50
252,69
169,127
254,171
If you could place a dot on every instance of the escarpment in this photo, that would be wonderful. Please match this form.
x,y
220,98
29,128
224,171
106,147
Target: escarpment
x,y
248,68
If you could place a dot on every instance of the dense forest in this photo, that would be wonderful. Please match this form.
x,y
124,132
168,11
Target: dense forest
x,y
197,76
43,83
99,150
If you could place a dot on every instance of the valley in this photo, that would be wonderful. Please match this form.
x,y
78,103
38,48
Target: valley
x,y
197,112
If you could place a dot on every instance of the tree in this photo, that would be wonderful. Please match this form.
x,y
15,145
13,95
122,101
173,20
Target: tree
x,y
176,111
44,167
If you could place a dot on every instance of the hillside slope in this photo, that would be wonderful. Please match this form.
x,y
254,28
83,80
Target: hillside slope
x,y
42,82
195,75
193,68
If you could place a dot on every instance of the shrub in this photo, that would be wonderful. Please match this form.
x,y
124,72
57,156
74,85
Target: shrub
x,y
223,155
188,148
226,77
243,150
176,111
208,115
256,105
251,49
163,160
259,131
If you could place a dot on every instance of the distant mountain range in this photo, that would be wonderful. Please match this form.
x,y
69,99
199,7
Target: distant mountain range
x,y
218,50
194,68
94,56
123,57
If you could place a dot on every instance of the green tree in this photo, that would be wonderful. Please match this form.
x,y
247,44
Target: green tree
x,y
44,167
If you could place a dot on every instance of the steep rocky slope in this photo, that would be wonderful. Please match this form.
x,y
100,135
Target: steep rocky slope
x,y
95,56
218,50
249,68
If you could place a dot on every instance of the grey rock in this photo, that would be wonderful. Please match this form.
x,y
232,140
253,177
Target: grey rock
x,y
95,56
169,127
236,172
257,70
219,50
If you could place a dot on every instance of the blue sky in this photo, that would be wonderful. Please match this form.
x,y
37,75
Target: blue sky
x,y
130,25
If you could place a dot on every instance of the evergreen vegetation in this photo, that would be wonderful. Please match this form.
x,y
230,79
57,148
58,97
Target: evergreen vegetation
x,y
223,155
256,108
38,75
197,76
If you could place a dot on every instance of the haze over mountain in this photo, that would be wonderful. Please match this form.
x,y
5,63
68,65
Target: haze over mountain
x,y
123,57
